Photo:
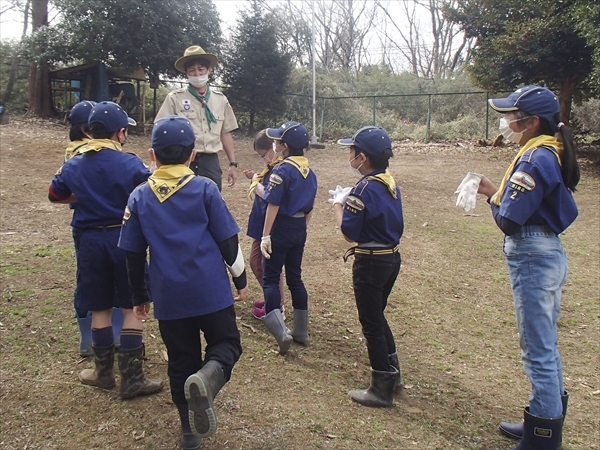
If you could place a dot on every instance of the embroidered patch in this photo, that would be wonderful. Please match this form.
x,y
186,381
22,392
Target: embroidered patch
x,y
164,190
186,105
354,204
275,179
523,180
127,214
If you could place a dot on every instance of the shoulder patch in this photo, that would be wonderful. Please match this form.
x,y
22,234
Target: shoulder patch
x,y
275,179
59,171
523,179
354,203
127,214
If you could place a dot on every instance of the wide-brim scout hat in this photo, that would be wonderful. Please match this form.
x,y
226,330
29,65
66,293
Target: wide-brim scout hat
x,y
292,133
195,52
369,139
111,115
80,112
172,130
533,100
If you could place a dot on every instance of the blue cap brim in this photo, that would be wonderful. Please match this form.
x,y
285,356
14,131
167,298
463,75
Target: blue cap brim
x,y
131,122
274,133
346,141
502,104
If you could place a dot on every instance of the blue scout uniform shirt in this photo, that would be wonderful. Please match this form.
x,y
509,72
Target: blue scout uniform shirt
x,y
535,193
102,181
372,214
187,273
292,186
256,220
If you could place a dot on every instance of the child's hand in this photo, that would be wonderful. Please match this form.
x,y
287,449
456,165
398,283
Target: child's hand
x,y
141,311
249,173
242,295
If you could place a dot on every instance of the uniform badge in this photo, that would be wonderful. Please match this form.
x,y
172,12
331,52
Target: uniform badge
x,y
522,180
275,179
127,214
164,190
59,171
186,105
354,204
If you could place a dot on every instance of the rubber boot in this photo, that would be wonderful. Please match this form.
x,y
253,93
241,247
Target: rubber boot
x,y
189,441
276,325
540,433
393,361
85,335
300,331
102,375
117,324
200,391
515,430
381,391
133,381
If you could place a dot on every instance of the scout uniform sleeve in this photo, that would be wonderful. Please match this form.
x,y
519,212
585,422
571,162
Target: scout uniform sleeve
x,y
353,217
58,189
229,121
167,108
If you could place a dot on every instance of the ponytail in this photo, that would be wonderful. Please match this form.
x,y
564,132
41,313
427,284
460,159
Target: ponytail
x,y
569,164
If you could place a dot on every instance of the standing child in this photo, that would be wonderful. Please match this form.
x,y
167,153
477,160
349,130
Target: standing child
x,y
290,195
370,214
193,241
79,136
100,181
265,148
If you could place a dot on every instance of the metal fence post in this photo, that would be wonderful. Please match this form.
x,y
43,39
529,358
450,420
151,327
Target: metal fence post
x,y
487,115
427,128
322,120
374,109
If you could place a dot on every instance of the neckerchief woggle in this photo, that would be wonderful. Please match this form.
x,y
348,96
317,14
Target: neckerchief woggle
x,y
387,179
168,179
541,141
95,145
210,117
257,179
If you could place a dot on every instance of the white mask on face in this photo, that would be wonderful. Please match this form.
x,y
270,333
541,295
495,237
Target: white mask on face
x,y
508,133
355,170
199,81
277,154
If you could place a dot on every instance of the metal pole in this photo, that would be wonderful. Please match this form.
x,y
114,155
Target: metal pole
x,y
374,122
428,119
313,139
487,115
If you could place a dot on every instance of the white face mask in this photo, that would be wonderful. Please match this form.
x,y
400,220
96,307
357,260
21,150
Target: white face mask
x,y
277,154
355,170
199,81
508,133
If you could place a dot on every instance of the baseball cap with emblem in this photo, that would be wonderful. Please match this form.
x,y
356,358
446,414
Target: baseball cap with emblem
x,y
172,130
195,52
534,100
369,139
292,133
111,115
80,112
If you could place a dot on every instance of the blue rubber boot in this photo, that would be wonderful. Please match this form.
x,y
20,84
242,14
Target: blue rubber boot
x,y
117,324
85,335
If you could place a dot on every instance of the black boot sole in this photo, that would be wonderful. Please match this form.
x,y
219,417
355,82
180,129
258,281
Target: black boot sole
x,y
203,419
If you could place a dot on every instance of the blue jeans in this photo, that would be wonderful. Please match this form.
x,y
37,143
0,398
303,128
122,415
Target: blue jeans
x,y
537,266
288,237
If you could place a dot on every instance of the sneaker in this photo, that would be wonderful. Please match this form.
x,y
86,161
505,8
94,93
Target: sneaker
x,y
259,303
260,313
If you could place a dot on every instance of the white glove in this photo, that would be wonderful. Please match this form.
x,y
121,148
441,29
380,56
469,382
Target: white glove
x,y
339,195
260,190
467,191
265,246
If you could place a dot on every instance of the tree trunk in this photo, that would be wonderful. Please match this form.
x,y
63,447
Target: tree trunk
x,y
40,93
565,98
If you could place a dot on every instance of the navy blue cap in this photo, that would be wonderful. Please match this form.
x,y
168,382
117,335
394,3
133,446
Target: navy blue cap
x,y
292,133
172,130
80,112
111,115
369,139
534,100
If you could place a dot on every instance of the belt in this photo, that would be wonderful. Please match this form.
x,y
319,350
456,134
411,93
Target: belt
x,y
298,214
108,226
366,251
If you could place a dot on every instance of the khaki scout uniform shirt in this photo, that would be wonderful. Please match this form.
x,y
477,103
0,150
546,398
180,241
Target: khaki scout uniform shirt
x,y
182,103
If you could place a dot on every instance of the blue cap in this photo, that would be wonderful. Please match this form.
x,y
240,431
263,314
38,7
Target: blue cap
x,y
111,115
80,112
292,133
534,100
369,139
172,130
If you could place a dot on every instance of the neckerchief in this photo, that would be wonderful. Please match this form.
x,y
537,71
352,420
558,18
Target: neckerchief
x,y
74,148
168,179
210,117
387,179
95,145
257,179
300,163
541,141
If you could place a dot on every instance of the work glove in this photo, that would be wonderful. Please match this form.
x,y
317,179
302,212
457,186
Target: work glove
x,y
339,195
467,191
265,246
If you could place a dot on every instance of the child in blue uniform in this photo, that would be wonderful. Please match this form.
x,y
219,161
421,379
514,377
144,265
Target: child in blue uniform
x,y
193,241
290,195
532,206
370,214
79,136
100,181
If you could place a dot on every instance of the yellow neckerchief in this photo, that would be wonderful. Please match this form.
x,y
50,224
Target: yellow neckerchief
x,y
541,141
257,179
300,163
95,145
166,180
387,179
74,148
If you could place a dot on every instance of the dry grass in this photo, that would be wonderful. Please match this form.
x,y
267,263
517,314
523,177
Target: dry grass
x,y
451,312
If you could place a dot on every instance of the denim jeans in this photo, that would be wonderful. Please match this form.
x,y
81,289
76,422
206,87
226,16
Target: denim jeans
x,y
288,237
537,266
373,278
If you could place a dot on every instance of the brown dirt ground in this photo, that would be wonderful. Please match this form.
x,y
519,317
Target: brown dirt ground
x,y
450,310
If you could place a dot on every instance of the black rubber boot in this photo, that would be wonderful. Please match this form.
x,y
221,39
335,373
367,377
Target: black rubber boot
x,y
300,331
393,361
189,441
133,381
102,375
381,391
275,324
540,433
515,430
200,390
